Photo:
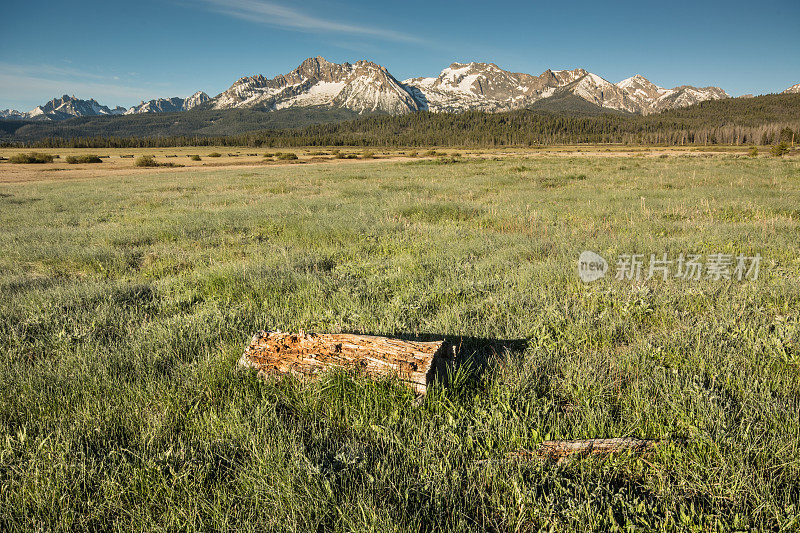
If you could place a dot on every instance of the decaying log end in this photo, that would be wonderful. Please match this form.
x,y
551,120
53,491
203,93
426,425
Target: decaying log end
x,y
417,364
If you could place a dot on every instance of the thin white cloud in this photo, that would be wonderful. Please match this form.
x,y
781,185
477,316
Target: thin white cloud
x,y
280,16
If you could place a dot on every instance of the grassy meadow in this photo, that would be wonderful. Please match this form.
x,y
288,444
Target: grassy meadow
x,y
127,299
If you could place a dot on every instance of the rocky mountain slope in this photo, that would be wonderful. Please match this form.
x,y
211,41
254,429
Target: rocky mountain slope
x,y
170,105
793,89
362,86
11,114
365,87
487,87
68,107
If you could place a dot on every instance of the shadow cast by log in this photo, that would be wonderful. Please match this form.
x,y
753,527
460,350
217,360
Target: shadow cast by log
x,y
472,356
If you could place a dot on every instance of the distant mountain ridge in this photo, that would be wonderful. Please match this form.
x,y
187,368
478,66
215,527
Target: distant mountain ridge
x,y
68,106
170,105
11,114
366,87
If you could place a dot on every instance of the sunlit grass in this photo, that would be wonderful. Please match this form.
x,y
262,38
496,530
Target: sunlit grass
x,y
126,302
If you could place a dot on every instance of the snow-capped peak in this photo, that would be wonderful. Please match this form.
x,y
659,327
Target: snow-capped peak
x,y
793,89
636,81
364,86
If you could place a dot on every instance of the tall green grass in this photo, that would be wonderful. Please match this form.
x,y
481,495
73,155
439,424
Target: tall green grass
x,y
125,303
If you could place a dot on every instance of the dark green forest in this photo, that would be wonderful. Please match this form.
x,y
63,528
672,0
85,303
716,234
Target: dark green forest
x,y
763,120
206,123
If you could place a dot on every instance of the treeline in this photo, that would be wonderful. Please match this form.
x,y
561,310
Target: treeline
x,y
189,125
763,120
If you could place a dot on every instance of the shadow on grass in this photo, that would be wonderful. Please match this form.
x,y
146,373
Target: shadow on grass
x,y
466,359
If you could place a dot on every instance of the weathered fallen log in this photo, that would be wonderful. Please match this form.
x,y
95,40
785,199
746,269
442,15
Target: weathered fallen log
x,y
557,449
560,450
415,363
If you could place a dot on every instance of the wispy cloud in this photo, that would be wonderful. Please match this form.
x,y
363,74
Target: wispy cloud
x,y
277,15
23,87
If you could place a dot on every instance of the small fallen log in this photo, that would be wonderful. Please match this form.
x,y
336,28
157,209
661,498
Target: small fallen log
x,y
558,449
415,363
561,450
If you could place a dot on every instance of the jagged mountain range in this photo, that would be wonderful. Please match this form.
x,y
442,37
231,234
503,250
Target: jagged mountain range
x,y
64,108
170,105
364,86
70,107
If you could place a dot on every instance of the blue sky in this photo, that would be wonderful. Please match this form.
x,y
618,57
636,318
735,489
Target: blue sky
x,y
124,52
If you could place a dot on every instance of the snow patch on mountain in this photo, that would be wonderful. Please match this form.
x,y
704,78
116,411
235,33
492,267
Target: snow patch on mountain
x,y
364,86
195,100
11,114
321,93
68,107
169,105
